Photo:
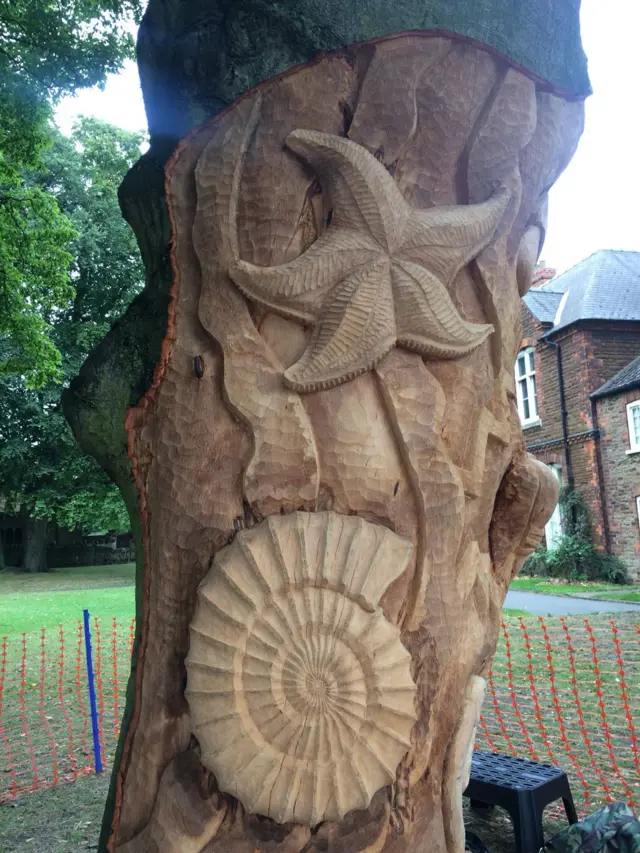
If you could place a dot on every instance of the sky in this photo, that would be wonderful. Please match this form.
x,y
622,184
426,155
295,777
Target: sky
x,y
593,204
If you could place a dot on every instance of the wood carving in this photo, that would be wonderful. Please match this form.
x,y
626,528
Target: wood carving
x,y
382,266
299,688
345,475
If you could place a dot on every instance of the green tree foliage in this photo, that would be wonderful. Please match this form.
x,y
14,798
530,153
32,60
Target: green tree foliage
x,y
48,48
34,280
42,470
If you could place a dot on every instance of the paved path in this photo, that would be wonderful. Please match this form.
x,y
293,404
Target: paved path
x,y
561,605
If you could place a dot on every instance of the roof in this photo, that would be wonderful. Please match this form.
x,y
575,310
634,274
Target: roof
x,y
543,304
605,286
628,377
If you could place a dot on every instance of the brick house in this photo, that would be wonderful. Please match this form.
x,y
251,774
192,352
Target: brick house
x,y
578,391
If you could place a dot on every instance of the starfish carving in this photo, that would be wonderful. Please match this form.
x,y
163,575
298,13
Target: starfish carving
x,y
378,275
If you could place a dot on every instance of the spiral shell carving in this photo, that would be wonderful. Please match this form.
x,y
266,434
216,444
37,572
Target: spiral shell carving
x,y
299,688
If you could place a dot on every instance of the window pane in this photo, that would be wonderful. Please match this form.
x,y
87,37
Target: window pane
x,y
530,360
534,396
520,365
635,420
524,400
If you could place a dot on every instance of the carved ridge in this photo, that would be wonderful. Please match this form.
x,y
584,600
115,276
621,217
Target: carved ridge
x,y
301,698
377,251
276,417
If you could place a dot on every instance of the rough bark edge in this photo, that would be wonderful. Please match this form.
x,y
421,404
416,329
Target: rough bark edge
x,y
135,414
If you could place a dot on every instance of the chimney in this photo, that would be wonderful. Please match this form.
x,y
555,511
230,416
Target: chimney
x,y
542,274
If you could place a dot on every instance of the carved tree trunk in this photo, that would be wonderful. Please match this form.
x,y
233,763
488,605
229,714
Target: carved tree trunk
x,y
333,487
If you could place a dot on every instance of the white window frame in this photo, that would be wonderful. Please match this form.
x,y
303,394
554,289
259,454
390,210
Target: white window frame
x,y
528,379
638,508
634,438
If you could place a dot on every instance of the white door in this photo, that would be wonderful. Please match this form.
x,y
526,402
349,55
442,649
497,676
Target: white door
x,y
553,528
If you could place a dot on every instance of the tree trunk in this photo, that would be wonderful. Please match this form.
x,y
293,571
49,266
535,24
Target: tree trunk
x,y
330,488
35,545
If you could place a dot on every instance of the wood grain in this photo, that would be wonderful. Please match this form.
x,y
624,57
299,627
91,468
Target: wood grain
x,y
299,688
350,241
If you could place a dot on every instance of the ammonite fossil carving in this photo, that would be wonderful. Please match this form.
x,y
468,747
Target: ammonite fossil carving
x,y
300,689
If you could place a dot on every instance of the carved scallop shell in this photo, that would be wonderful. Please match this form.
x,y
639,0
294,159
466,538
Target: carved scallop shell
x,y
299,688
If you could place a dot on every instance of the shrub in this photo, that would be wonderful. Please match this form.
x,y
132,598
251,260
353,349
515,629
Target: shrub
x,y
574,557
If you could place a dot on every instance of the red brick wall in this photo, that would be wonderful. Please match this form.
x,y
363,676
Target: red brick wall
x,y
622,479
591,354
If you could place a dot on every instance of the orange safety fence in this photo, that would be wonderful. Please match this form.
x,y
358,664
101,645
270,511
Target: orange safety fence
x,y
565,691
45,722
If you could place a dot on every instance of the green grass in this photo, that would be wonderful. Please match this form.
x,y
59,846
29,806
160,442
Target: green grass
x,y
62,820
623,596
48,609
560,587
29,602
73,577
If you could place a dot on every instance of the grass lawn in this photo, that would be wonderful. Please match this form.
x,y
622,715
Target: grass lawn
x,y
71,578
560,587
62,820
29,602
49,609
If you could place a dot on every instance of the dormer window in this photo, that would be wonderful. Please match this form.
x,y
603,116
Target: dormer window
x,y
526,388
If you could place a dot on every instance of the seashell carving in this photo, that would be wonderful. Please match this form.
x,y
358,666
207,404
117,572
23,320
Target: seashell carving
x,y
299,688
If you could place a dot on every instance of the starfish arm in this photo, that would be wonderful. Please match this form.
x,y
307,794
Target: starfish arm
x,y
446,238
356,330
363,195
292,289
428,322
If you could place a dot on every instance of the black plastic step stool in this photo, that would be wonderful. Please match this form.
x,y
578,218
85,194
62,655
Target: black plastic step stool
x,y
521,787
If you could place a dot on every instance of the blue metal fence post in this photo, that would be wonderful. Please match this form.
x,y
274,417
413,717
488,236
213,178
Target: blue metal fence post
x,y
92,695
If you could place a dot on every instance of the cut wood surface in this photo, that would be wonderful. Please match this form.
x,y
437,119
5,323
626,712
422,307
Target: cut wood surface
x,y
299,688
350,242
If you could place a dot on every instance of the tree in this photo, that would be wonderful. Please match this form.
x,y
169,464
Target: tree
x,y
43,472
49,48
34,277
248,432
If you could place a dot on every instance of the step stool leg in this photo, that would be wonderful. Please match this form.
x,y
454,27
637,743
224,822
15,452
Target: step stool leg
x,y
570,808
527,826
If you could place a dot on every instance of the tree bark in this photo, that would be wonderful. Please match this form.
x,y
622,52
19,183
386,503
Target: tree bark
x,y
362,390
35,545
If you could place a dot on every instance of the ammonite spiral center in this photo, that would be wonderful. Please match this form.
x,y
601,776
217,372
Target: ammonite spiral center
x,y
299,688
310,669
318,689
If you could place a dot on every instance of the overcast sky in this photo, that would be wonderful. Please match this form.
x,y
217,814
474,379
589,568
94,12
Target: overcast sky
x,y
593,205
